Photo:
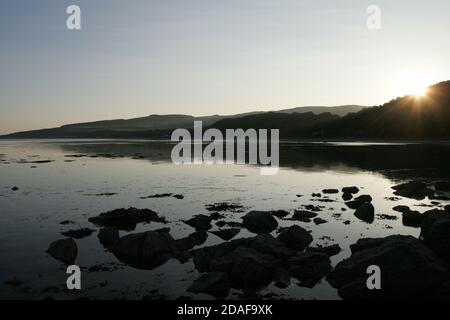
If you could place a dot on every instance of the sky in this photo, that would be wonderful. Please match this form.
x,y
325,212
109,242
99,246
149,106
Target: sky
x,y
201,57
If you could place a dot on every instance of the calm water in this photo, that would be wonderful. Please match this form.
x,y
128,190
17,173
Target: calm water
x,y
68,188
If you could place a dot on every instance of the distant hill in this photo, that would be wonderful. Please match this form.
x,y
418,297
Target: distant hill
x,y
153,126
409,117
339,110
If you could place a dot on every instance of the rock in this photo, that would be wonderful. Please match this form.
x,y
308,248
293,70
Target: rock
x,y
319,221
295,238
412,218
64,250
267,244
215,284
347,222
282,278
309,267
351,190
200,222
259,222
408,269
126,219
401,208
246,267
435,232
366,212
146,250
280,213
226,234
314,208
329,250
194,239
316,195
303,215
216,216
346,196
108,236
330,191
414,189
15,188
264,243
359,201
442,186
78,233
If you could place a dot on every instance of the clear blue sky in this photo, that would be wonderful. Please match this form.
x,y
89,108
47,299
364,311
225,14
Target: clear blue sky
x,y
139,57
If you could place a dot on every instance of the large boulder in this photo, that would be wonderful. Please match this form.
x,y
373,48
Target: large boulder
x,y
64,250
359,201
281,278
259,222
303,215
146,250
365,212
126,219
351,190
194,239
295,238
414,190
409,269
215,284
108,236
247,268
412,218
435,232
200,222
309,267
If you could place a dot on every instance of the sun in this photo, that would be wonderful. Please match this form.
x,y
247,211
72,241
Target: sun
x,y
414,85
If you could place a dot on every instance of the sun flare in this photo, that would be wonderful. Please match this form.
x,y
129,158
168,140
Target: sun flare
x,y
415,85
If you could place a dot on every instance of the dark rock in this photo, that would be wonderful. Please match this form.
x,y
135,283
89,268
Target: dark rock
x,y
347,222
215,284
412,218
64,250
15,188
108,236
309,267
295,238
414,189
259,222
78,233
359,201
216,216
346,196
442,186
329,250
282,278
194,239
146,250
409,269
303,215
319,221
401,208
316,195
226,234
66,222
200,222
126,219
366,212
314,208
246,267
330,191
435,232
280,213
267,244
178,196
351,190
